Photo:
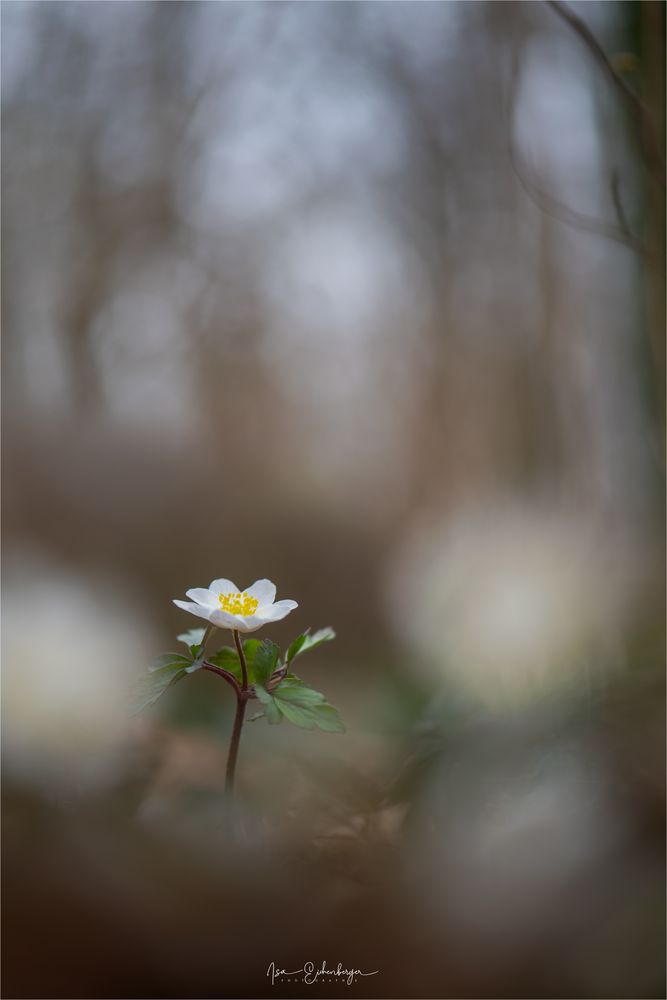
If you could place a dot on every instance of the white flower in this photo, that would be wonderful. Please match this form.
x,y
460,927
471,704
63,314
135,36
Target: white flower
x,y
68,726
511,602
225,606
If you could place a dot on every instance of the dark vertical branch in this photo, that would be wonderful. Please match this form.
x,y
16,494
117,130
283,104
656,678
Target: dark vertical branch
x,y
653,148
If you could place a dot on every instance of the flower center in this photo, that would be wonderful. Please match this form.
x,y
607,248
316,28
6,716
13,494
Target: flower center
x,y
238,604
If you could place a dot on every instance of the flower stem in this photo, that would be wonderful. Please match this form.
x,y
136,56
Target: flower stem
x,y
239,650
241,702
206,636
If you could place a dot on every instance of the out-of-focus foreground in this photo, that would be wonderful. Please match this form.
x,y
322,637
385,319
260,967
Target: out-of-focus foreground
x,y
367,299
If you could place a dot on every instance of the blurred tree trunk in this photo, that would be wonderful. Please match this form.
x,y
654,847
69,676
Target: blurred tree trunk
x,y
652,70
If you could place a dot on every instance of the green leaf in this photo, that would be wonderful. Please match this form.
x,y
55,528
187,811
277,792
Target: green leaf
x,y
153,684
327,718
300,705
193,637
262,694
265,660
306,641
228,658
301,717
272,712
250,648
296,646
320,715
296,692
169,660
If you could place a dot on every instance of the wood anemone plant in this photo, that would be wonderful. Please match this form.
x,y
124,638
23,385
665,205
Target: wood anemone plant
x,y
254,669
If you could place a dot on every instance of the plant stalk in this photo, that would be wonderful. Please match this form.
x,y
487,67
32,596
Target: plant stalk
x,y
241,702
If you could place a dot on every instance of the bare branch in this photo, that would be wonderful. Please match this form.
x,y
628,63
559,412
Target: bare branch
x,y
556,209
615,187
652,147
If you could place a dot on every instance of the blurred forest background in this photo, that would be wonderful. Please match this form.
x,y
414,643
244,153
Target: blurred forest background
x,y
367,299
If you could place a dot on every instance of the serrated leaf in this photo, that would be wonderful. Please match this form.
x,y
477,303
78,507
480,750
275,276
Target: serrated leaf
x,y
306,641
265,660
228,659
262,694
296,646
226,656
273,714
327,719
168,660
267,700
153,684
193,637
301,717
296,692
321,716
196,664
250,648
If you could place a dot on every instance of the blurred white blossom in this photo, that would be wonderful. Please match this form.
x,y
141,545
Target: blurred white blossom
x,y
71,650
510,602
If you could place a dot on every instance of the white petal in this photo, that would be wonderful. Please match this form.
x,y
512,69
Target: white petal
x,y
249,623
223,586
223,619
195,609
263,591
203,596
276,611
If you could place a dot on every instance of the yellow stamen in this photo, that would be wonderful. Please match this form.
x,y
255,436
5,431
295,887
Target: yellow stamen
x,y
238,604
